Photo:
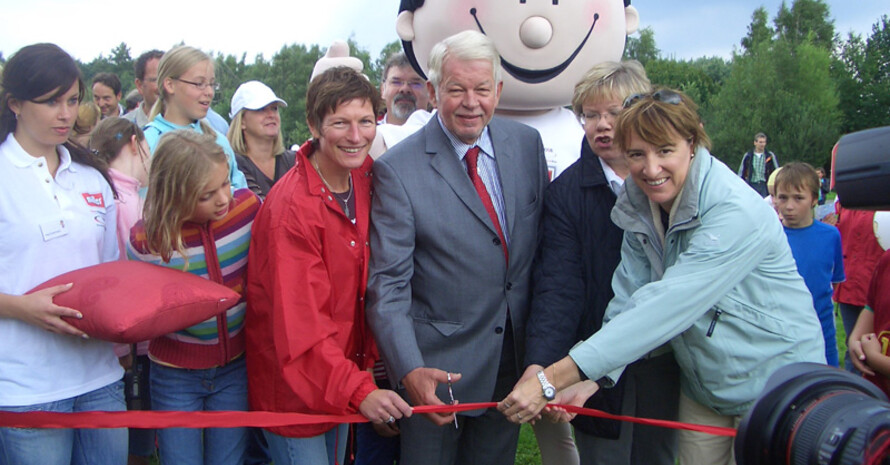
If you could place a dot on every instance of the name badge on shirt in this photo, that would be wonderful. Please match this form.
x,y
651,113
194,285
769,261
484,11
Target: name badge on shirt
x,y
53,229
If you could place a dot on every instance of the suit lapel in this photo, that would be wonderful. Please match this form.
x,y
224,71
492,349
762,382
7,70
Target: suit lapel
x,y
504,154
449,167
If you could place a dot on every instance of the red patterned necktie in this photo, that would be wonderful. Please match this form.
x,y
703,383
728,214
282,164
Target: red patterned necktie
x,y
472,158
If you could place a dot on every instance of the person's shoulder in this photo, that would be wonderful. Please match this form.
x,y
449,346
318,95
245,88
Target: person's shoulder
x,y
570,177
138,241
242,160
86,173
408,149
289,157
825,229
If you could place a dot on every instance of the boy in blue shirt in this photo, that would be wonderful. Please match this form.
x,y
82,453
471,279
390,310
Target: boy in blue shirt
x,y
816,246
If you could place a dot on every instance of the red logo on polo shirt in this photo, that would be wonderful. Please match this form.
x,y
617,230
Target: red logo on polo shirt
x,y
94,200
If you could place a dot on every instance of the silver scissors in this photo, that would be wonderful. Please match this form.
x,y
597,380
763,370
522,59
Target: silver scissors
x,y
451,394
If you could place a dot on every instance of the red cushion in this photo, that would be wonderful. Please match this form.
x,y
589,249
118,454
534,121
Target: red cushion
x,y
129,302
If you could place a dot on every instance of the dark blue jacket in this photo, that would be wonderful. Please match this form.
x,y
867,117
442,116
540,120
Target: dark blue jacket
x,y
579,251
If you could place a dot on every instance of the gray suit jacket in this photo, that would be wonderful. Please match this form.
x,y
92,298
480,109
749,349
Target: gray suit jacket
x,y
439,287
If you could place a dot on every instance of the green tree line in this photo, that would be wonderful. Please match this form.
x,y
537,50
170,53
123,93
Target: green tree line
x,y
792,77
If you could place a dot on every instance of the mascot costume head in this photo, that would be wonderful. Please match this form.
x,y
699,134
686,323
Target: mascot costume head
x,y
546,46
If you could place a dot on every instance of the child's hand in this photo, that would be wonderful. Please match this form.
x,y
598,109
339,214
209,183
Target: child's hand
x,y
857,356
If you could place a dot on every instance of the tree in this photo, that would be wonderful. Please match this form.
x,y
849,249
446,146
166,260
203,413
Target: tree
x,y
389,50
362,54
118,62
642,49
289,74
785,91
806,20
758,31
689,76
863,79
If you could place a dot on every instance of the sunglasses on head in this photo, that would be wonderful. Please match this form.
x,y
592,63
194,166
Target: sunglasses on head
x,y
664,95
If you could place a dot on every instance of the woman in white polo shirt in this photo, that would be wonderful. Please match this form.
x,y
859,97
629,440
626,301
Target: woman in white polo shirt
x,y
57,214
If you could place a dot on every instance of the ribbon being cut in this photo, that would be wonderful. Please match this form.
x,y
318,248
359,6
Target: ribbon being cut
x,y
145,419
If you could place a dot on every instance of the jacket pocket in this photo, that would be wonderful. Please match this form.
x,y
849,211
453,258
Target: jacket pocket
x,y
446,328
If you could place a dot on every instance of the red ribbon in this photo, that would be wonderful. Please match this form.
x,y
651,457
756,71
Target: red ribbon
x,y
157,419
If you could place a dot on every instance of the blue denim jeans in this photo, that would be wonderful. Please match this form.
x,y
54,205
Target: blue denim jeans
x,y
221,388
27,446
325,449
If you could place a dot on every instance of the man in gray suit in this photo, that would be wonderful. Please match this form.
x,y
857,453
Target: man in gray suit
x,y
452,247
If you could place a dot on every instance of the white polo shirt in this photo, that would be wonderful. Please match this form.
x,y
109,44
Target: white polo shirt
x,y
50,226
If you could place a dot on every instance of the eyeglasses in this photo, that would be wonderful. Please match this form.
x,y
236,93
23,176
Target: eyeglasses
x,y
594,118
414,85
202,85
664,95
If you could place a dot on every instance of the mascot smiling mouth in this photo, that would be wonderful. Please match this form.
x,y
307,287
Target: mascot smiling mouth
x,y
535,76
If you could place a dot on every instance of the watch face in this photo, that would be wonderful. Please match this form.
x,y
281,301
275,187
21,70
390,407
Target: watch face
x,y
549,393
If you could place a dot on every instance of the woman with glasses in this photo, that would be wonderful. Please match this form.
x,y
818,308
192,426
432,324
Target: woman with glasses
x,y
705,267
579,251
186,85
255,135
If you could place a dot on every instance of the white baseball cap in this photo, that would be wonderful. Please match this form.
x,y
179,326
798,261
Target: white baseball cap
x,y
253,95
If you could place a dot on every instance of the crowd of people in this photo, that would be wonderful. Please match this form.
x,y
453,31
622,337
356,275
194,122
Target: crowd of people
x,y
431,262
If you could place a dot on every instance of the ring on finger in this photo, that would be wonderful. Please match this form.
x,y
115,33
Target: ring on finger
x,y
390,420
507,405
519,416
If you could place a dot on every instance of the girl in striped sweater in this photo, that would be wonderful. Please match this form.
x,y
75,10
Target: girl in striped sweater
x,y
194,223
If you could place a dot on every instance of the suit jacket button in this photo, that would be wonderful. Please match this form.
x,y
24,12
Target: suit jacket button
x,y
496,241
498,330
509,286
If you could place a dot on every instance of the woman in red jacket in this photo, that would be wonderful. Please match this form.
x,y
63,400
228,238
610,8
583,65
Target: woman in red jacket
x,y
308,346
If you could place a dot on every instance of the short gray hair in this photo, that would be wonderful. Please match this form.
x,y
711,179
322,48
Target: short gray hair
x,y
464,46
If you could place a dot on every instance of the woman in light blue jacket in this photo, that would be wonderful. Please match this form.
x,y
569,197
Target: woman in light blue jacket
x,y
705,268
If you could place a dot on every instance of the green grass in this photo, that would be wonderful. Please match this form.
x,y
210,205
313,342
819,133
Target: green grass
x,y
527,453
841,335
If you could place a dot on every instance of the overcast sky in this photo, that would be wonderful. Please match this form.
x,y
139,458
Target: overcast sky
x,y
683,28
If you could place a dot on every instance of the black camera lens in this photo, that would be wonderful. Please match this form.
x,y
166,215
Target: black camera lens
x,y
815,414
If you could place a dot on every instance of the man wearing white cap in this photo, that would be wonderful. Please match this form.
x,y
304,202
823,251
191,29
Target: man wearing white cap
x,y
255,136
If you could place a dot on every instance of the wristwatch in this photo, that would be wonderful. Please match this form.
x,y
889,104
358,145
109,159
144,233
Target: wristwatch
x,y
549,390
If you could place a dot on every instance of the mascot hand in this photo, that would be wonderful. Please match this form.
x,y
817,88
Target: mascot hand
x,y
337,55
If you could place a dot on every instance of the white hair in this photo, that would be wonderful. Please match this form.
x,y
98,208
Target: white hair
x,y
467,45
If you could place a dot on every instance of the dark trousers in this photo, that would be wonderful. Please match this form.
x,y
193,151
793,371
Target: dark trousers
x,y
651,390
760,187
488,439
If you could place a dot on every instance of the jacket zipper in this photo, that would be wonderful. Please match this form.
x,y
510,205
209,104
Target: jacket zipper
x,y
717,314
214,272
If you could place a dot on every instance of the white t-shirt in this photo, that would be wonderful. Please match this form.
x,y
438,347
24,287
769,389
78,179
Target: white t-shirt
x,y
561,134
393,134
51,226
